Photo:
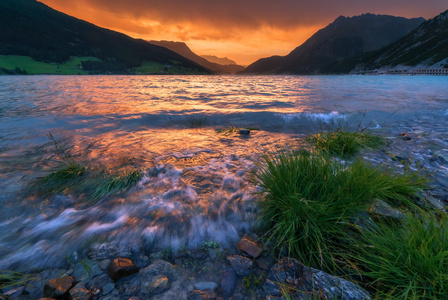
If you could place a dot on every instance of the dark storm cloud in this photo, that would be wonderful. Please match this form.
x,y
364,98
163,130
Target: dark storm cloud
x,y
250,14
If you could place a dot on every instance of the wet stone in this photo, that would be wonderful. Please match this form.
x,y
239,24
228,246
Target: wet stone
x,y
104,264
250,247
58,287
80,292
202,295
121,267
382,209
243,266
108,288
206,285
86,270
159,267
228,282
159,284
244,131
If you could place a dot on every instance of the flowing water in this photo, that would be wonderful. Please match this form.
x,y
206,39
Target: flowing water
x,y
196,185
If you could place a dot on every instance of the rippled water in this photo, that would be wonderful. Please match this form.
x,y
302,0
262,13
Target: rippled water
x,y
196,185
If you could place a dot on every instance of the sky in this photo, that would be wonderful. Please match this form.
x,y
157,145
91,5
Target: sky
x,y
242,30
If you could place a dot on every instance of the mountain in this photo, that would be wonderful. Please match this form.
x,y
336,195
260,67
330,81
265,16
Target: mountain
x,y
219,60
425,47
182,49
344,38
32,29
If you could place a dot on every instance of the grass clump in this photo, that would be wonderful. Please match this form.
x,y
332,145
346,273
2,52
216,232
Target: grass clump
x,y
10,278
407,261
310,200
197,121
228,130
72,176
345,143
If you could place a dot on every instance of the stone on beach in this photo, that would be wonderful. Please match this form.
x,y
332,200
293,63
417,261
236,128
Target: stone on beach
x,y
121,267
58,287
250,247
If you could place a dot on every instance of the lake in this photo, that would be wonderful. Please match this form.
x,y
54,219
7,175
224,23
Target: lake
x,y
196,183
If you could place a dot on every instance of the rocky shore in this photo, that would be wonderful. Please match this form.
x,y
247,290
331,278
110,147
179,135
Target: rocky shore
x,y
251,269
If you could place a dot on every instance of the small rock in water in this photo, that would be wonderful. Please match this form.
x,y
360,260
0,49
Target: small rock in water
x,y
104,264
58,287
80,292
202,295
405,137
249,246
206,285
160,267
244,131
243,266
228,282
121,267
159,284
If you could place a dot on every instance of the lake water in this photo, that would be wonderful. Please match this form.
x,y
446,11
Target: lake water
x,y
196,185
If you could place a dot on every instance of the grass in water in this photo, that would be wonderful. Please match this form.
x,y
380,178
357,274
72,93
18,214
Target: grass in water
x,y
310,200
345,143
11,278
197,121
228,130
72,176
406,261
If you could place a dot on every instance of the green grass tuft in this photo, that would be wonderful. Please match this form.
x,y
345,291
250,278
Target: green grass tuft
x,y
10,278
344,143
310,200
408,261
72,176
197,121
228,130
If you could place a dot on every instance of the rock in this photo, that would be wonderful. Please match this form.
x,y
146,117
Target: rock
x,y
108,288
159,267
244,131
243,266
250,247
104,264
382,209
159,284
12,293
100,283
80,292
202,295
35,286
58,287
264,263
303,280
206,285
228,282
121,267
86,270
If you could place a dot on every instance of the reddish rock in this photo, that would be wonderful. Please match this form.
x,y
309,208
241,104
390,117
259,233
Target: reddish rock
x,y
121,267
202,295
249,246
80,292
58,287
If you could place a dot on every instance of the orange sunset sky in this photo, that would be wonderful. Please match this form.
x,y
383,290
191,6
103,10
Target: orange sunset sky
x,y
242,30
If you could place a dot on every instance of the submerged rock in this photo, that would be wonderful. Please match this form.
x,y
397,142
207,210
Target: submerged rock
x,y
242,265
202,295
382,209
58,287
80,292
302,280
121,267
159,284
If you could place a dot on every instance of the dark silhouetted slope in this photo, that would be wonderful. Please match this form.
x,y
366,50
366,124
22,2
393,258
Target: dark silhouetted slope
x,y
30,28
426,46
182,49
344,38
219,60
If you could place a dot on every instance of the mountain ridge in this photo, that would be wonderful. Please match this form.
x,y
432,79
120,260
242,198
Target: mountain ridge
x,y
345,37
32,29
182,49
